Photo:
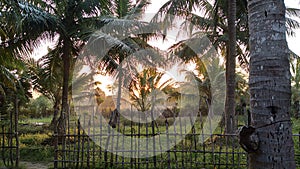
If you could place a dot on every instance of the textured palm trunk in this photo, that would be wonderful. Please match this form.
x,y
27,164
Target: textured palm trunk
x,y
230,70
61,126
270,86
53,123
66,58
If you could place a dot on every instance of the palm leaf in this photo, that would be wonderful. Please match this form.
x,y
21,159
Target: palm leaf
x,y
28,25
137,9
8,78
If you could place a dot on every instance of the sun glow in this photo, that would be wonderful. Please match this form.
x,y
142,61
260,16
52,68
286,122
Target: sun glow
x,y
106,83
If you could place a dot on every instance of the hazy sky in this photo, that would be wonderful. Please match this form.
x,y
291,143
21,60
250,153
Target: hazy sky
x,y
293,42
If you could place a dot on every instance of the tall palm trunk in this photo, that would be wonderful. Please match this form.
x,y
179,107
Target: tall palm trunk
x,y
230,70
270,86
53,123
115,116
66,57
119,87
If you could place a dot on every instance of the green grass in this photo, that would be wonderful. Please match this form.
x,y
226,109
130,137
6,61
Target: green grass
x,y
32,137
42,154
32,147
45,120
215,154
296,126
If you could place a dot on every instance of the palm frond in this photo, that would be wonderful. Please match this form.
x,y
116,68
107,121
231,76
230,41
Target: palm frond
x,y
81,82
123,28
291,25
197,22
172,9
93,8
138,9
192,48
293,12
8,78
100,43
28,25
46,73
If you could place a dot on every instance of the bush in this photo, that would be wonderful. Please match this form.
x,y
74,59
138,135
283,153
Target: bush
x,y
37,108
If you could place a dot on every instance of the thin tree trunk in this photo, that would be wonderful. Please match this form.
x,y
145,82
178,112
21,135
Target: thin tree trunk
x,y
119,88
270,86
65,93
16,130
55,114
114,116
230,125
66,58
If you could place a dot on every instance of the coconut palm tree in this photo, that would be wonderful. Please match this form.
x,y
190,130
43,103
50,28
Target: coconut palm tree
x,y
10,60
147,84
216,23
270,86
14,85
219,23
295,70
230,126
116,35
46,76
71,20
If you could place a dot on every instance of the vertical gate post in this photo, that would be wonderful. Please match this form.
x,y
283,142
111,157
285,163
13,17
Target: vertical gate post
x,y
55,147
16,130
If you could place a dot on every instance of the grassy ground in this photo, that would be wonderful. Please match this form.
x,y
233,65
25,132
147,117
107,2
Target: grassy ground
x,y
45,120
33,148
296,126
32,141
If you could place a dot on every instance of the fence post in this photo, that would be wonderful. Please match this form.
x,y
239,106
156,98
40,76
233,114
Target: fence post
x,y
16,131
55,147
78,135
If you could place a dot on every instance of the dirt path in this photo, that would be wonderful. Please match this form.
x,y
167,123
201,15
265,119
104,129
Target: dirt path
x,y
34,165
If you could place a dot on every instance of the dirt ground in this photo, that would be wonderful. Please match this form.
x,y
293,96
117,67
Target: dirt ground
x,y
33,165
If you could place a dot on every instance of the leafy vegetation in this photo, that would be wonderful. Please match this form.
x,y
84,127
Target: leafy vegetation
x,y
72,24
34,146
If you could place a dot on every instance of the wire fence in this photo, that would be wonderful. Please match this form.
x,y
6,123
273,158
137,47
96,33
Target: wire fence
x,y
8,146
9,138
89,142
83,146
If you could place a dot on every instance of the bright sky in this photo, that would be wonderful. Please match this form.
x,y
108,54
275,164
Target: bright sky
x,y
293,42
